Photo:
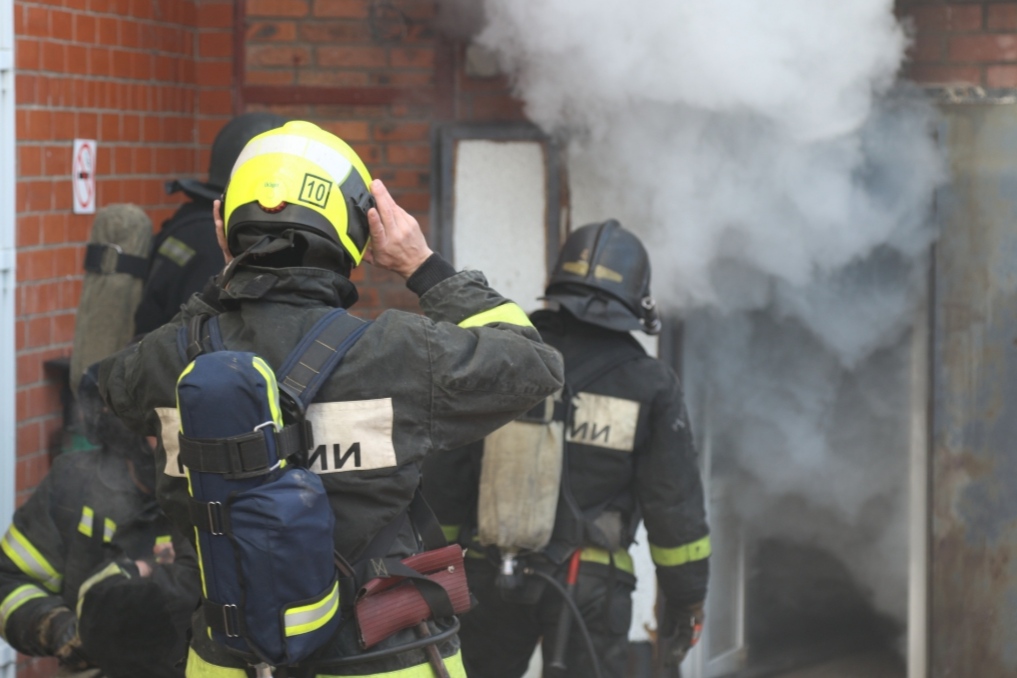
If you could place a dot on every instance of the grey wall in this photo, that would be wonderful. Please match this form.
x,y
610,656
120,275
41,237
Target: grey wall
x,y
974,410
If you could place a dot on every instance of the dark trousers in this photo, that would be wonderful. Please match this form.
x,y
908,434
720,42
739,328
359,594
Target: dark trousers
x,y
498,636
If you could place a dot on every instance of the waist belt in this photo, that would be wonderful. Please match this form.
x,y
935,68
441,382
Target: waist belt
x,y
590,554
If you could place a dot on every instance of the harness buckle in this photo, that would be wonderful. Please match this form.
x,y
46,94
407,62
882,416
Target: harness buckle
x,y
215,518
228,612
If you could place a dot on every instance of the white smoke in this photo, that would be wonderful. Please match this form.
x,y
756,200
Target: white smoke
x,y
782,180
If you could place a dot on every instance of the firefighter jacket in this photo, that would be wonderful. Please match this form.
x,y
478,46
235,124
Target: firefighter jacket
x,y
629,454
411,385
86,516
184,256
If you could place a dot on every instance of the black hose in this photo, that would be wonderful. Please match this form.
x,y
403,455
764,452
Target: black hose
x,y
387,652
575,613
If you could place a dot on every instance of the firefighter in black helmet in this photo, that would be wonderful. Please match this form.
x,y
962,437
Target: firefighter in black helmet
x,y
626,454
185,253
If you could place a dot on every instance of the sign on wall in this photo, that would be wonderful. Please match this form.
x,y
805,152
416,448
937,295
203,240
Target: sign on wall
x,y
83,176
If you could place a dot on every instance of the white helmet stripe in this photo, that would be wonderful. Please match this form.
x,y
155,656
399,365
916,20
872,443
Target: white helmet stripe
x,y
329,159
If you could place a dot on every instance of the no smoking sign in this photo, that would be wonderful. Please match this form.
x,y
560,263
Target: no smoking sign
x,y
83,176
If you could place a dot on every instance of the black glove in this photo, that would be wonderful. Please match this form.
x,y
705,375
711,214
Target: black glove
x,y
680,631
59,635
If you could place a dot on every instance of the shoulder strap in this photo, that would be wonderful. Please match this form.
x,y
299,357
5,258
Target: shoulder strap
x,y
192,337
319,352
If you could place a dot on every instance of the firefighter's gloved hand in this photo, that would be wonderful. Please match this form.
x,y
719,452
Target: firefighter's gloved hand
x,y
59,631
680,631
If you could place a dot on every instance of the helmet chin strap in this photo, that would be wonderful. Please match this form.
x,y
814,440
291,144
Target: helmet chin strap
x,y
266,245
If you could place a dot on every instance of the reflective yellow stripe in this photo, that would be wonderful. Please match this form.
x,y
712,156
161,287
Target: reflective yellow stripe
x,y
311,617
622,559
109,528
451,532
689,553
453,664
184,373
111,570
273,389
199,668
29,560
85,524
16,599
509,314
163,539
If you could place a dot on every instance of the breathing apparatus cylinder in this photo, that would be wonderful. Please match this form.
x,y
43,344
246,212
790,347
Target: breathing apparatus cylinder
x,y
519,484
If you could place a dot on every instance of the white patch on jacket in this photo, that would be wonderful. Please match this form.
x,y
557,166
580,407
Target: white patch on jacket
x,y
604,421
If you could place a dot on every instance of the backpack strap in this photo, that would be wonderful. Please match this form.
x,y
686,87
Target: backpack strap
x,y
313,360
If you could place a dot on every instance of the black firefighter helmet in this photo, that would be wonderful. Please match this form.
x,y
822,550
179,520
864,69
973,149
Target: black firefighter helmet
x,y
603,277
226,148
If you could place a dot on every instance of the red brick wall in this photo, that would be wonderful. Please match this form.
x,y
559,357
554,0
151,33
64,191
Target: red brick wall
x,y
961,42
152,87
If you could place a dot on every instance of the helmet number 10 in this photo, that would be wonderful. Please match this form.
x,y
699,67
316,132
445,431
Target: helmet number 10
x,y
315,191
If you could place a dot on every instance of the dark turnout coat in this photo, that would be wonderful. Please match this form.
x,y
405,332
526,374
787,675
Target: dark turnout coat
x,y
411,385
86,514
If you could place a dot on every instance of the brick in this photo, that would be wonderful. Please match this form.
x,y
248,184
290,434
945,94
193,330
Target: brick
x,y
29,436
217,15
407,79
983,48
282,8
351,57
404,179
333,31
348,130
26,54
1001,76
346,9
87,125
36,21
213,45
408,155
216,74
37,332
272,31
266,77
405,131
85,26
63,125
29,161
369,153
332,78
77,59
29,232
54,56
412,57
951,18
54,229
1001,17
63,328
107,31
215,101
61,25
277,55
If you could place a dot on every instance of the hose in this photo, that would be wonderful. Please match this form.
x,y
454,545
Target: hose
x,y
389,651
556,585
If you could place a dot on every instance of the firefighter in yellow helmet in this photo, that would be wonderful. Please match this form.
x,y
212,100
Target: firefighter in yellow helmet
x,y
299,213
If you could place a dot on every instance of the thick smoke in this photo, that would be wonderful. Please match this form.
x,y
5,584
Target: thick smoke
x,y
782,180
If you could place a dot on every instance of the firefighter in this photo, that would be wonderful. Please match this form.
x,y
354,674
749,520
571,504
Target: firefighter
x,y
185,253
624,452
87,568
297,217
